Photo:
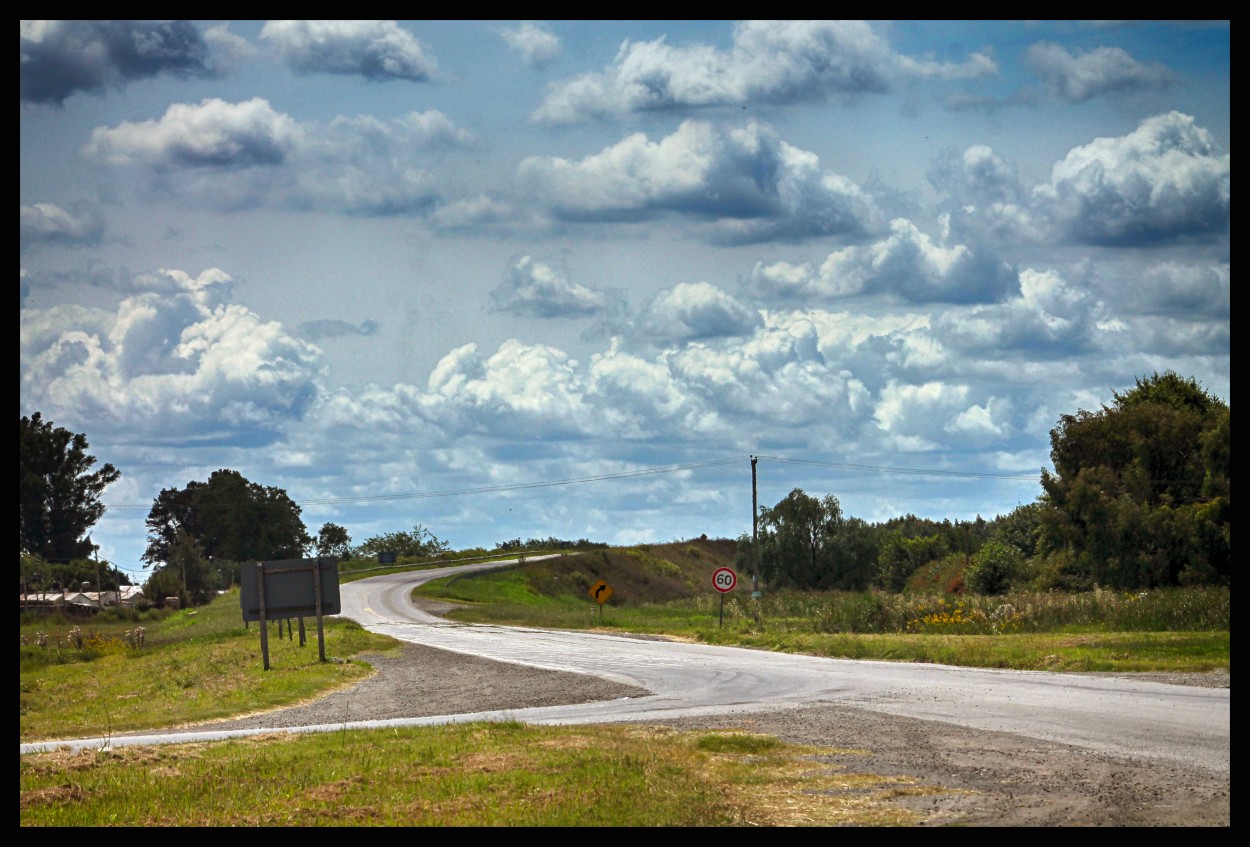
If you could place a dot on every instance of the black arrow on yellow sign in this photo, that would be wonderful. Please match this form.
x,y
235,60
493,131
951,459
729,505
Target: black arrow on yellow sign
x,y
601,592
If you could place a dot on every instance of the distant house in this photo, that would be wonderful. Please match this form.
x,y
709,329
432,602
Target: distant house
x,y
130,595
94,599
42,601
79,601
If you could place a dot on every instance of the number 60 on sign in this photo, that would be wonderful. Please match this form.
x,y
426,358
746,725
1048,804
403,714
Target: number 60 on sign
x,y
724,579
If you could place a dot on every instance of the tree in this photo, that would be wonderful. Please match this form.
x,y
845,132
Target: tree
x,y
59,495
333,540
187,560
994,567
1140,493
1020,527
900,556
420,543
163,582
229,518
805,542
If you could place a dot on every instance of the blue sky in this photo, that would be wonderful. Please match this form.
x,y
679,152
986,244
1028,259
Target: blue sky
x,y
526,279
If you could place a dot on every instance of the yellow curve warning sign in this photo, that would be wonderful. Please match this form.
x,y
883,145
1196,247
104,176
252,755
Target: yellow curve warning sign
x,y
601,592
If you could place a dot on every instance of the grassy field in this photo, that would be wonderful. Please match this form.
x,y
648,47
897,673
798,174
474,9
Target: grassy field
x,y
203,663
667,589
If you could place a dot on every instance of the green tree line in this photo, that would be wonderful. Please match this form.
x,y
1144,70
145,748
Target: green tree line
x,y
1139,498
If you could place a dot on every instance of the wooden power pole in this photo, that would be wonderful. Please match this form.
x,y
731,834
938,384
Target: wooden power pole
x,y
755,539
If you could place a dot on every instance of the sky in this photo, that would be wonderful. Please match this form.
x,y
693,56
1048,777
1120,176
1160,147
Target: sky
x,y
532,279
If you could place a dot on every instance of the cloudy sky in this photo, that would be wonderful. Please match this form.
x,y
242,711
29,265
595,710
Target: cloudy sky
x,y
526,279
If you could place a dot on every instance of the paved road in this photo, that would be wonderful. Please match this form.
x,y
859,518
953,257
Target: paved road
x,y
1178,724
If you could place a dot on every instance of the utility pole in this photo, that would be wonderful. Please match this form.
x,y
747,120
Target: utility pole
x,y
99,588
755,539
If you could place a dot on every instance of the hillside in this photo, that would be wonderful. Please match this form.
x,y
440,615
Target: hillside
x,y
638,575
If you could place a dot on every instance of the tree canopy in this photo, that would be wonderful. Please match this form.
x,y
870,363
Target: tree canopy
x,y
59,494
1140,493
1139,498
416,544
805,542
333,540
228,518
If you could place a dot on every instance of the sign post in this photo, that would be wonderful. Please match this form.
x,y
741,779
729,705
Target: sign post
x,y
602,593
724,580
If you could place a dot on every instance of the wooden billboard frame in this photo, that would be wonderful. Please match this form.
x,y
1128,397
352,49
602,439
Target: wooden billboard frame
x,y
279,590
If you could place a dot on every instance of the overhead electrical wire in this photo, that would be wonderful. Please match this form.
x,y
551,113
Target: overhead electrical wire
x,y
888,469
519,486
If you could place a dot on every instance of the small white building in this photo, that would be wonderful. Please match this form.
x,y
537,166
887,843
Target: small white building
x,y
130,595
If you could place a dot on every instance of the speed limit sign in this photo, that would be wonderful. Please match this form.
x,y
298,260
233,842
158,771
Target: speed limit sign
x,y
724,580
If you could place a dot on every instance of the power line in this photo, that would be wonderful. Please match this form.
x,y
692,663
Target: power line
x,y
521,486
490,489
912,471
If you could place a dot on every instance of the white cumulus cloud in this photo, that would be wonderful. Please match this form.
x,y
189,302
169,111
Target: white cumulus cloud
x,y
1103,70
49,223
1162,181
376,50
785,61
246,155
181,362
533,287
536,46
693,310
60,58
747,182
909,265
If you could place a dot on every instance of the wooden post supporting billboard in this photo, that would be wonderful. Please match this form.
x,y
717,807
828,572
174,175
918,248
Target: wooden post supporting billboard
x,y
264,624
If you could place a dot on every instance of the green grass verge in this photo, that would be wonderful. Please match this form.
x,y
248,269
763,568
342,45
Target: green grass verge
x,y
477,774
195,665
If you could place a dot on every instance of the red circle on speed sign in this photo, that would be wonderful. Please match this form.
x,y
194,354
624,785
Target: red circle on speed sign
x,y
724,579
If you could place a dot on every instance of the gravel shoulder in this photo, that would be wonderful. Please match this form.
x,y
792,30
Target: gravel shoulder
x,y
988,779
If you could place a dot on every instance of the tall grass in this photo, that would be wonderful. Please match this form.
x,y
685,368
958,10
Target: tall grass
x,y
1204,609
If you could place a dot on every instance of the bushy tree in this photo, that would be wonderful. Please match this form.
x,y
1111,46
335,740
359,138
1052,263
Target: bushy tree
x,y
333,540
229,518
420,543
807,543
994,567
58,493
164,582
1140,493
1021,527
856,548
899,556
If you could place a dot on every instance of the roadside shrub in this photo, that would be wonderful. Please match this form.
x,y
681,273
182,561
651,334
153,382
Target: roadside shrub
x,y
994,568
